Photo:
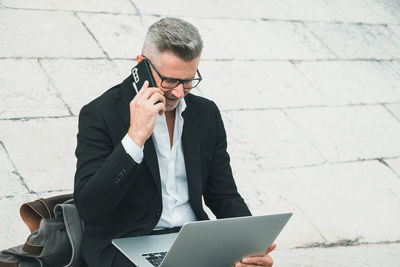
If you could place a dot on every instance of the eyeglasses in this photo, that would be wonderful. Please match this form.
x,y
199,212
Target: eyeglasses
x,y
171,83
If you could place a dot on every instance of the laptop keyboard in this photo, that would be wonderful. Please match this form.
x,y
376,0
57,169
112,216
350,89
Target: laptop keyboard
x,y
155,258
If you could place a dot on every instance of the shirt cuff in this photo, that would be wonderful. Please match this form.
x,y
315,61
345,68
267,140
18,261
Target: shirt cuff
x,y
132,149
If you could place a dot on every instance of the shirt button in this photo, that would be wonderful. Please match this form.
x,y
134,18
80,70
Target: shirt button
x,y
158,214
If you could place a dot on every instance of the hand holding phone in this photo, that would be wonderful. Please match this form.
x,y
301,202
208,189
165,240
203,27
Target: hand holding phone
x,y
149,101
141,73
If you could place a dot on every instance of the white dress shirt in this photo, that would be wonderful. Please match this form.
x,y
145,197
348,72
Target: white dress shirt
x,y
175,194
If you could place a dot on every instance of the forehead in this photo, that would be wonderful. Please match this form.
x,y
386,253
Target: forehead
x,y
170,65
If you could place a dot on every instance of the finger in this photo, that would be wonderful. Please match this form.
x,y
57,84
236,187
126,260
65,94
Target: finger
x,y
143,88
147,93
155,98
262,261
271,248
160,107
140,92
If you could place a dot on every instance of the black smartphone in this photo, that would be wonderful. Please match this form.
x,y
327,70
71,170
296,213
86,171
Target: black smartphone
x,y
141,73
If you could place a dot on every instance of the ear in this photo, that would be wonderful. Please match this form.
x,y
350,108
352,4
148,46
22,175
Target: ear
x,y
139,58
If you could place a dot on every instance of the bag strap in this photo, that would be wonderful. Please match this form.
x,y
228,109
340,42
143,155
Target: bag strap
x,y
33,212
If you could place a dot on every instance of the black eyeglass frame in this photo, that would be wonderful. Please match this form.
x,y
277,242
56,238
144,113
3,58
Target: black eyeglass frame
x,y
163,78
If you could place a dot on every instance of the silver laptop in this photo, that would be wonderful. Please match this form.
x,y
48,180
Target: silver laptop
x,y
205,243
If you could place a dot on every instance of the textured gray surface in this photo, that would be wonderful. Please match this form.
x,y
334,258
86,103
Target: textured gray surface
x,y
309,92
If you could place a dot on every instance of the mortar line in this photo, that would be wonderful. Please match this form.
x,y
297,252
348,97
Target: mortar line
x,y
344,243
67,191
304,136
139,13
16,172
293,61
324,164
327,163
388,166
391,113
67,10
37,117
309,220
310,81
319,40
17,195
91,34
51,83
310,106
327,22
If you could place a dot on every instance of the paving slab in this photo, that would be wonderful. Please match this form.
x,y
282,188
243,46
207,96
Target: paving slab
x,y
124,6
358,41
13,231
365,11
254,40
9,178
394,109
343,201
81,81
369,11
42,151
266,139
44,34
266,195
238,85
23,95
349,133
394,164
353,82
355,256
284,10
395,29
124,66
121,36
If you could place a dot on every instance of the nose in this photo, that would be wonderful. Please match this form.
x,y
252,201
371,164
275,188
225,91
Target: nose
x,y
178,91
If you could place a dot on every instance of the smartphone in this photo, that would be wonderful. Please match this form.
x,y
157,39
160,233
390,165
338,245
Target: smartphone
x,y
141,73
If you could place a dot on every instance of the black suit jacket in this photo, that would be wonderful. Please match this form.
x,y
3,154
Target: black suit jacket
x,y
117,197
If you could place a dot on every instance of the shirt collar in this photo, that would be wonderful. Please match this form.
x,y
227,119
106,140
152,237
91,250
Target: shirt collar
x,y
180,108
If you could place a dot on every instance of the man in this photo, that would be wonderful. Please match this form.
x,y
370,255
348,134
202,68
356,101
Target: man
x,y
146,160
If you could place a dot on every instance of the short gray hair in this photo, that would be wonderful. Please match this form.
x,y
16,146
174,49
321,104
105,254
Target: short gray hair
x,y
176,36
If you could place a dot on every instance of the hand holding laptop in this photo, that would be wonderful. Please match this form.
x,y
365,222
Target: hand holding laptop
x,y
239,241
260,260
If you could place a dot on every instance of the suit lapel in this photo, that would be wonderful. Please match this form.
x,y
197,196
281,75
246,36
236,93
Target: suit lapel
x,y
150,156
191,151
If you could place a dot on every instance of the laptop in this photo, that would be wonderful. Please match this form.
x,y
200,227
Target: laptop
x,y
205,243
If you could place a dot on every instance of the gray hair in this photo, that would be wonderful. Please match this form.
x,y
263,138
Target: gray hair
x,y
176,36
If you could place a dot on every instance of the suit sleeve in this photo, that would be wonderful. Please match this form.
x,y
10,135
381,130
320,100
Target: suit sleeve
x,y
102,169
221,194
